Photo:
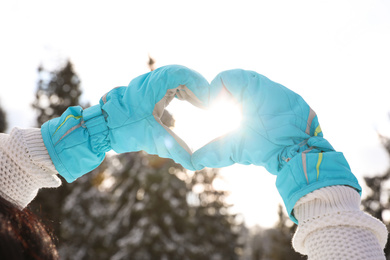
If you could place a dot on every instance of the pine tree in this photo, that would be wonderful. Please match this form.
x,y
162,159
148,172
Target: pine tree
x,y
216,231
57,90
3,120
258,243
281,237
132,210
272,243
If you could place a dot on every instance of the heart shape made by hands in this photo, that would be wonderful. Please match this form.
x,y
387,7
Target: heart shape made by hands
x,y
213,113
274,118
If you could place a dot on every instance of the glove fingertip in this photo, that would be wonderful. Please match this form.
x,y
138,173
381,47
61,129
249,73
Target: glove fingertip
x,y
213,155
234,81
197,161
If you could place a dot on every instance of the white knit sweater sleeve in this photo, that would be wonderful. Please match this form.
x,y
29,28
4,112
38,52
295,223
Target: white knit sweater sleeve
x,y
332,226
25,166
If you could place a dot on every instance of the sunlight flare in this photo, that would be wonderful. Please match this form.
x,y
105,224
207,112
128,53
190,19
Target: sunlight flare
x,y
197,126
223,116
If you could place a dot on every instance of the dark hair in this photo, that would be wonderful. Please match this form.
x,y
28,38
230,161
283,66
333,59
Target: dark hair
x,y
23,235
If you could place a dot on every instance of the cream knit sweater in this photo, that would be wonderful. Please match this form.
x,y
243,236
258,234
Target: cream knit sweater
x,y
331,224
25,166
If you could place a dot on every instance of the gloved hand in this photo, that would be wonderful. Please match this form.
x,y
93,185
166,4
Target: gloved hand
x,y
278,131
127,119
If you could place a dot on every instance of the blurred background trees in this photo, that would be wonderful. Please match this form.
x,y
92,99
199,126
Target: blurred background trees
x,y
56,91
140,206
377,201
272,243
3,120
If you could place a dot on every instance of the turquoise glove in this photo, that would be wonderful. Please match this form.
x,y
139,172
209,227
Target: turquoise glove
x,y
127,119
280,132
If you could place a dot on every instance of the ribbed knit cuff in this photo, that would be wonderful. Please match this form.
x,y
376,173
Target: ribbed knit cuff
x,y
25,166
325,201
331,207
37,149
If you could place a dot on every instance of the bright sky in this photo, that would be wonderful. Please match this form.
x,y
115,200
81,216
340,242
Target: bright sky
x,y
333,53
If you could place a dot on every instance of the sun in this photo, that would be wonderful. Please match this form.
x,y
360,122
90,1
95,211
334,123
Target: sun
x,y
223,116
198,126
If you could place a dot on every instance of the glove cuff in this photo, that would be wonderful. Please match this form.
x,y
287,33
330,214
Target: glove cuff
x,y
311,170
76,134
96,125
328,200
313,144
